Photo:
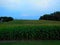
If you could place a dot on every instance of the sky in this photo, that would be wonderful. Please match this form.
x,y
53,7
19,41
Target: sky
x,y
28,9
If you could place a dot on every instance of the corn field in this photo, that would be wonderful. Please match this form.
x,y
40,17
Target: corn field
x,y
30,30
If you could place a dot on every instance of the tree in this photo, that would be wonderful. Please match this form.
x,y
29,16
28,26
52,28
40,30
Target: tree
x,y
56,15
52,16
6,19
10,19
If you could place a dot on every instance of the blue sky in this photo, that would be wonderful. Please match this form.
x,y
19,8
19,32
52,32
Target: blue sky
x,y
28,9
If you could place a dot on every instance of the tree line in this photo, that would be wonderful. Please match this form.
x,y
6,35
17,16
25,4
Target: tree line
x,y
6,19
53,16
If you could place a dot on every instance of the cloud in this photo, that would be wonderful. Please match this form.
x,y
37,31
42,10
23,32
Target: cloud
x,y
10,4
24,4
29,5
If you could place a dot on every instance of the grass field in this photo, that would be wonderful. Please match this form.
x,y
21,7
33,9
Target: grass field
x,y
45,42
26,24
7,29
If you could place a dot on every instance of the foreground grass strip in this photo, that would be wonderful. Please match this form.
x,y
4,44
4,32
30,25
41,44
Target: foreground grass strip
x,y
42,42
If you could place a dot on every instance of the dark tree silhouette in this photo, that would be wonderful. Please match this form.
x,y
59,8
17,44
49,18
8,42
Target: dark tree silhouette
x,y
52,16
45,17
6,19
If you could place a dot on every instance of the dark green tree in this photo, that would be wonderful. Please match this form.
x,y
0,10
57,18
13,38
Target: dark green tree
x,y
52,16
6,19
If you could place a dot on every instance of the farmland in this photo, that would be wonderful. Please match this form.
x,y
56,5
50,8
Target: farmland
x,y
30,30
